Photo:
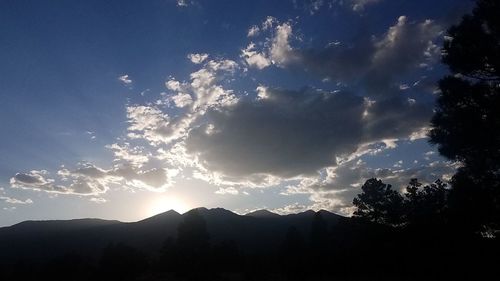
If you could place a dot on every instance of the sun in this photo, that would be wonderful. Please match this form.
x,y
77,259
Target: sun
x,y
166,203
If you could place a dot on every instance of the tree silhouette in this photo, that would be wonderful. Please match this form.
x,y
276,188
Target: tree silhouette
x,y
425,205
466,124
379,203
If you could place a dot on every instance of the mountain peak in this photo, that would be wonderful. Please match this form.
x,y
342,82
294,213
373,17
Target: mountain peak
x,y
263,213
162,216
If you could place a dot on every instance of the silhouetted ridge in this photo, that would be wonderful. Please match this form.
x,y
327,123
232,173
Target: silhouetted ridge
x,y
215,212
162,216
262,214
66,224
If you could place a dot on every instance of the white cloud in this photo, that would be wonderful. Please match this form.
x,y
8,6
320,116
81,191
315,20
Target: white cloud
x,y
11,200
134,156
181,99
125,79
173,85
254,58
197,58
291,209
268,23
98,200
253,31
277,48
149,122
182,3
281,51
228,190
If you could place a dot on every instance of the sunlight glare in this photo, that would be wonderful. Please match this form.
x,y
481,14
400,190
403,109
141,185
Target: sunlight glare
x,y
166,203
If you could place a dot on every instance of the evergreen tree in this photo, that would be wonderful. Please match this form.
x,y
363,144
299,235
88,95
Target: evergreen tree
x,y
379,203
466,124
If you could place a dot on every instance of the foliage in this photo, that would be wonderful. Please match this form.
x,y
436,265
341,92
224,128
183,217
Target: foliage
x,y
466,124
420,205
379,203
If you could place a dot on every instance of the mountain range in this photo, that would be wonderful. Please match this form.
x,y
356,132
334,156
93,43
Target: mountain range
x,y
256,232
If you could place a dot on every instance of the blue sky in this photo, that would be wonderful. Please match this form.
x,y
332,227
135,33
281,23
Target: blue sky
x,y
122,109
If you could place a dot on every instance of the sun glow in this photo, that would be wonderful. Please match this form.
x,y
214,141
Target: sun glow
x,y
166,203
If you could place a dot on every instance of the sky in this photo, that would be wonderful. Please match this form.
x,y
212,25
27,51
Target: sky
x,y
125,109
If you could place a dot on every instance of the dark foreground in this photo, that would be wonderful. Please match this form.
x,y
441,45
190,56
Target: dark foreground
x,y
219,245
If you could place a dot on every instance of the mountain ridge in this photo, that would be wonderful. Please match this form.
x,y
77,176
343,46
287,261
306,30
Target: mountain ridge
x,y
50,238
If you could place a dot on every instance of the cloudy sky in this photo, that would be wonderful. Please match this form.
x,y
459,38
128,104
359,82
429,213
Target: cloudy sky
x,y
124,109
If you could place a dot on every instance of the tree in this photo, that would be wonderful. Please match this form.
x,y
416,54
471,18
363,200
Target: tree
x,y
426,205
466,124
379,203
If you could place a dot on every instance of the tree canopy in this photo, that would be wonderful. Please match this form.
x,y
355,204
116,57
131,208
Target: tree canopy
x,y
466,124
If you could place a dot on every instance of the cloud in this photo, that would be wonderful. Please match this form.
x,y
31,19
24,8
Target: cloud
x,y
315,6
228,190
125,79
197,58
254,58
98,200
278,136
134,156
281,51
359,5
376,63
291,209
182,3
149,167
335,188
11,200
289,133
90,180
37,180
253,31
150,123
181,100
285,134
203,92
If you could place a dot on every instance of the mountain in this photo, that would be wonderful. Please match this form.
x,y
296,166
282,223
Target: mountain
x,y
262,214
254,232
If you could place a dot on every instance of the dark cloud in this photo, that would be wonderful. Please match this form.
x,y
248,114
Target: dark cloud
x,y
375,63
290,133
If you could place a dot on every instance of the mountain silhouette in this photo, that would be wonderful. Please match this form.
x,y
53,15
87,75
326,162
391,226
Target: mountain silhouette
x,y
258,231
262,214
